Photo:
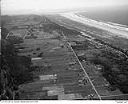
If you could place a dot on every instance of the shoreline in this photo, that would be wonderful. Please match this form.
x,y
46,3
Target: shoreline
x,y
116,30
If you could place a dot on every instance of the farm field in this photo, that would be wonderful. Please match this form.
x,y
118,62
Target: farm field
x,y
69,60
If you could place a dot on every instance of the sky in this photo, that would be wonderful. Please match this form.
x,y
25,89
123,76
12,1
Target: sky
x,y
46,6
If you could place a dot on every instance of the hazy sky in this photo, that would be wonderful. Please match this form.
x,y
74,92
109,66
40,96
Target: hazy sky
x,y
43,6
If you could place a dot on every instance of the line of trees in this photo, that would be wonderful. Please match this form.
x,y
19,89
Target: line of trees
x,y
15,70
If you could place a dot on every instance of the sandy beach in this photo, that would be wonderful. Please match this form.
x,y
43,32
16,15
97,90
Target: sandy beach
x,y
116,30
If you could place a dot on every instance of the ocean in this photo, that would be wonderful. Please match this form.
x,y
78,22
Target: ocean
x,y
117,15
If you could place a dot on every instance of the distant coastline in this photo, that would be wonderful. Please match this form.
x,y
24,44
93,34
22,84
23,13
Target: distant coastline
x,y
118,15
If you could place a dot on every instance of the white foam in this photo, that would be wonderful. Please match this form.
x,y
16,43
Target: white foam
x,y
116,30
